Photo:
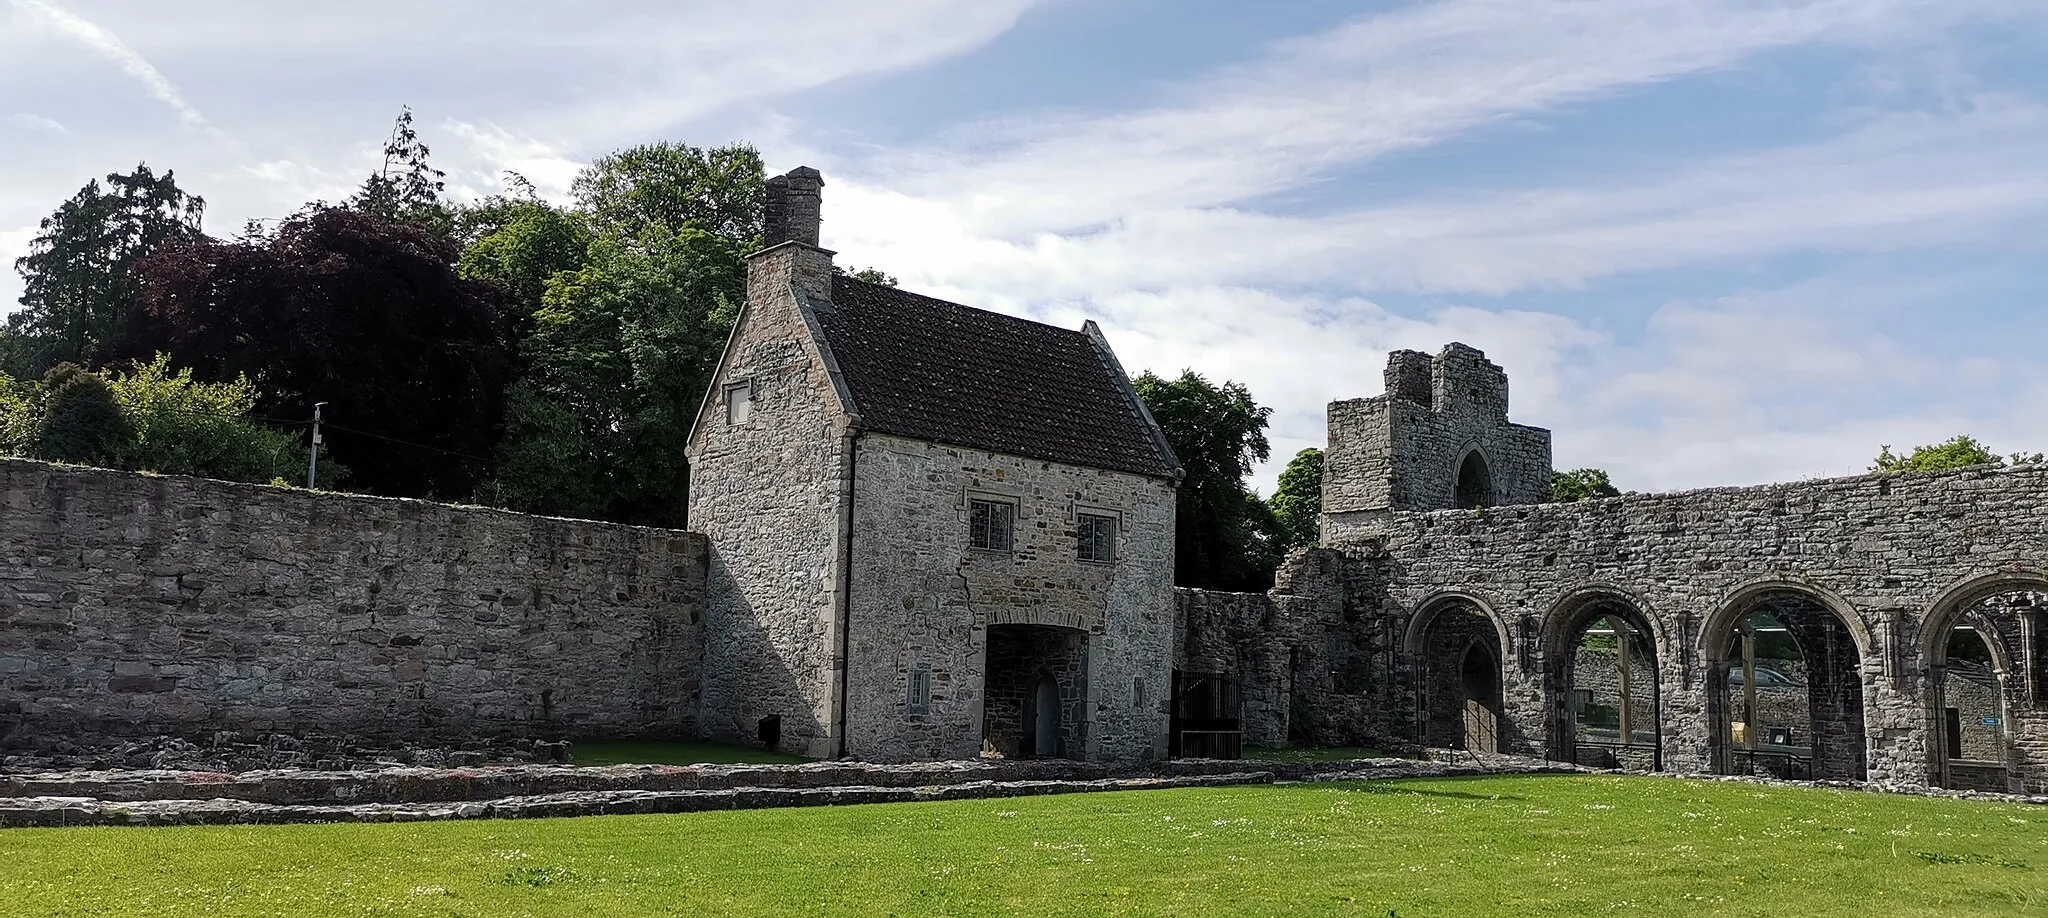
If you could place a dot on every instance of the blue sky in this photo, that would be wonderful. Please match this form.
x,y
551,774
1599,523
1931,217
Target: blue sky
x,y
1713,241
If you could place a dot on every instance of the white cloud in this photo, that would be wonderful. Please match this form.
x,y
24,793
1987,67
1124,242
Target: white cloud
x,y
1376,85
37,123
110,46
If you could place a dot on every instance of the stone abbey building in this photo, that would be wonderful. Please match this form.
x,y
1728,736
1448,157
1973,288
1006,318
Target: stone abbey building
x,y
927,531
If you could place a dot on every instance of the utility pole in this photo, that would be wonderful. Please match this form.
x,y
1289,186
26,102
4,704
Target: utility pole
x,y
313,454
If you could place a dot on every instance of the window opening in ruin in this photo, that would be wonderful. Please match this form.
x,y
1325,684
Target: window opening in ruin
x,y
1790,696
1098,538
739,403
1475,483
988,524
920,700
1611,695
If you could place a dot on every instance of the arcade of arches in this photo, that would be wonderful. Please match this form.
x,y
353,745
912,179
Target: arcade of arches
x,y
1885,628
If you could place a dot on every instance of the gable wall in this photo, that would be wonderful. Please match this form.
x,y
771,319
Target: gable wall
x,y
767,494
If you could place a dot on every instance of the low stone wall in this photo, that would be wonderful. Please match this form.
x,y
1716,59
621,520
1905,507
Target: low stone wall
x,y
134,605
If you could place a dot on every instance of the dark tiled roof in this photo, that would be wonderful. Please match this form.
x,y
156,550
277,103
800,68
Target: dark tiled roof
x,y
927,369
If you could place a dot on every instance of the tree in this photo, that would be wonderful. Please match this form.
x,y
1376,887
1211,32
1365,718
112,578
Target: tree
x,y
80,421
617,364
1961,451
81,297
147,418
1298,501
185,427
871,275
676,187
1226,537
363,313
529,243
637,290
1581,484
407,188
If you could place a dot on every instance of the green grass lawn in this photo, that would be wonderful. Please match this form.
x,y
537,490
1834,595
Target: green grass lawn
x,y
1577,845
671,752
1291,754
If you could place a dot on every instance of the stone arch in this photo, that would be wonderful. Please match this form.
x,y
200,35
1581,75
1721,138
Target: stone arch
x,y
1720,626
1963,605
1639,731
1435,603
1474,484
1959,598
1817,729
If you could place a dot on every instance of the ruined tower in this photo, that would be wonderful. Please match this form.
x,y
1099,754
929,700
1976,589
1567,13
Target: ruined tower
x,y
1438,439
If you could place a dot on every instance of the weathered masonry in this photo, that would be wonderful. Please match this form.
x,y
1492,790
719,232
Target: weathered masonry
x,y
1882,627
139,605
936,532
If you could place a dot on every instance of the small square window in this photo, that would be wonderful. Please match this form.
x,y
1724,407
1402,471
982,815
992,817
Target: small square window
x,y
1098,538
988,524
920,700
739,403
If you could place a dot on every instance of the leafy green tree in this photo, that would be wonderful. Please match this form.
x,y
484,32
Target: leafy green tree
x,y
1226,537
1581,484
528,243
624,348
81,296
676,187
1298,501
80,420
184,427
638,288
408,188
363,313
1961,451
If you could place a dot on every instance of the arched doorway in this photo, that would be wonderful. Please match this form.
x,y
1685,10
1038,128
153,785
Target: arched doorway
x,y
1970,641
1480,680
1606,691
1456,648
1034,692
1785,688
1475,482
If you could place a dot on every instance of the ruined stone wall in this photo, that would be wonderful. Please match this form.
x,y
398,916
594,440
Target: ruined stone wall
x,y
1896,556
1404,450
768,492
921,597
1240,636
139,604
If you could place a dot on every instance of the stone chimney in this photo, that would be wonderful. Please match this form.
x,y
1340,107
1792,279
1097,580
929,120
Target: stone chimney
x,y
794,207
790,255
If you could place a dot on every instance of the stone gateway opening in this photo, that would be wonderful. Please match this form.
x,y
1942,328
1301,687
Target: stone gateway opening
x,y
1036,692
1608,688
1978,726
1458,704
1786,692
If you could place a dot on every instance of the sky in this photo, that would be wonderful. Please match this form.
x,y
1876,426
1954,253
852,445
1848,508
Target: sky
x,y
1711,241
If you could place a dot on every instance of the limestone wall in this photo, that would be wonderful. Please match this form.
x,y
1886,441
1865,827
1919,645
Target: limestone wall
x,y
768,492
1897,557
921,598
138,604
